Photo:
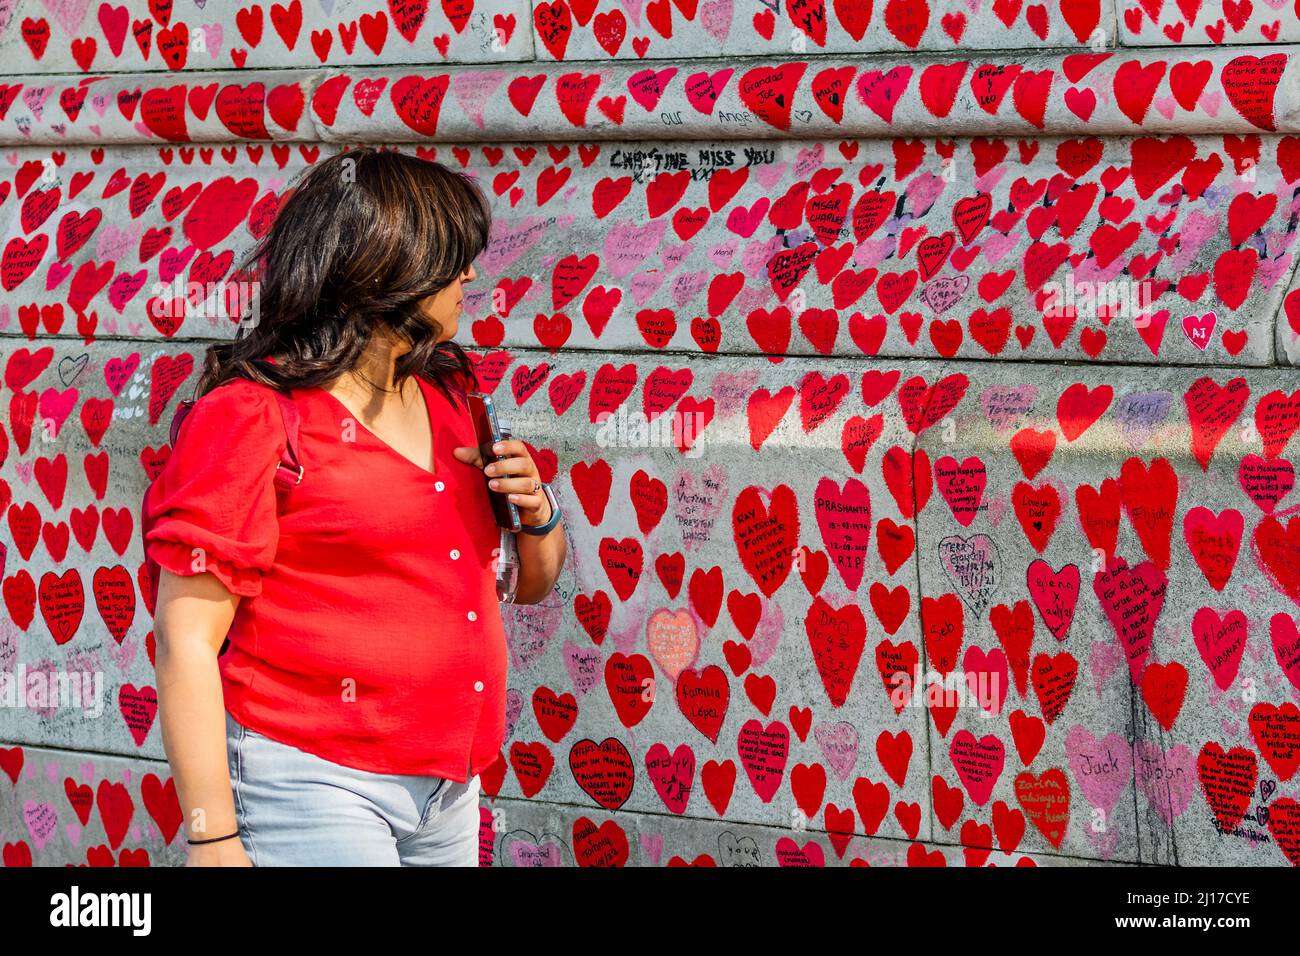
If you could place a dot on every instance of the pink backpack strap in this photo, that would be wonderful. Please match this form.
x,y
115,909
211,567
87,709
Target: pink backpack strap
x,y
182,409
289,472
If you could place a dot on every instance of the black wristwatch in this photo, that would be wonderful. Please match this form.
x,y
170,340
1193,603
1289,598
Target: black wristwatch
x,y
551,522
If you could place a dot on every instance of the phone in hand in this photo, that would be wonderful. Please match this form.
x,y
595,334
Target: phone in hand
x,y
487,431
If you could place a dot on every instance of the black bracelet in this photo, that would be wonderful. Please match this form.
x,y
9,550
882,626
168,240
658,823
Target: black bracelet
x,y
213,840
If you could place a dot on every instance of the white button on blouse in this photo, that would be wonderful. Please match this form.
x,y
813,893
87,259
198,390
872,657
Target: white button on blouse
x,y
454,554
438,485
478,685
473,616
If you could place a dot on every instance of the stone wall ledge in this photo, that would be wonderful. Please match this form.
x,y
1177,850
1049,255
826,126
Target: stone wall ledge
x,y
1237,91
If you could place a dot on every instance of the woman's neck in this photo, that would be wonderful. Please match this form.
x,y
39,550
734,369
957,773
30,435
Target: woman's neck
x,y
372,376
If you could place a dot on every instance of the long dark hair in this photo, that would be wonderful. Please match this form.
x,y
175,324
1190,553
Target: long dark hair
x,y
363,237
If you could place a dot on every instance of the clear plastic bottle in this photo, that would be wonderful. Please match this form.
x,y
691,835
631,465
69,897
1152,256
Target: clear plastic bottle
x,y
507,553
507,568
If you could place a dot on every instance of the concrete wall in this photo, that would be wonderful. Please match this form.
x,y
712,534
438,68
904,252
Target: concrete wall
x,y
823,239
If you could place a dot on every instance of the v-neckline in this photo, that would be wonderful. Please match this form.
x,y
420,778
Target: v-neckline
x,y
428,415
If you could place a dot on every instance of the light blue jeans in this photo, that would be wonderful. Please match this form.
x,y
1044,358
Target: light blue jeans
x,y
297,809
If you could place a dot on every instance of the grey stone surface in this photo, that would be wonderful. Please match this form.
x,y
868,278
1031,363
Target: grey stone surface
x,y
1156,23
182,36
63,807
796,247
1154,632
600,29
537,834
1243,90
1056,249
822,641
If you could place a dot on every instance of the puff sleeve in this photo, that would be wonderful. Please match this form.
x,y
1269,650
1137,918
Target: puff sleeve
x,y
217,491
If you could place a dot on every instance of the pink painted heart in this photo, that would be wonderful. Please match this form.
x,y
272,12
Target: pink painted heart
x,y
511,240
1221,640
844,518
42,820
1285,637
1105,842
1102,768
731,391
546,853
139,708
697,502
529,628
962,486
627,245
124,287
652,845
839,745
771,627
1006,406
674,640
1165,778
790,853
514,707
56,406
944,292
627,638
1055,594
974,567
763,753
922,190
585,666
1265,481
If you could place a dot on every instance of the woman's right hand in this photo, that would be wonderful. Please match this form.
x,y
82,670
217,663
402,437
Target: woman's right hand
x,y
226,853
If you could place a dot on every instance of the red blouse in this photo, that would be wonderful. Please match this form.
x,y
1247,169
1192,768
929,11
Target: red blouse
x,y
369,633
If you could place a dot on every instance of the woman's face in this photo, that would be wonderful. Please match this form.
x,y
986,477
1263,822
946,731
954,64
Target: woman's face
x,y
446,306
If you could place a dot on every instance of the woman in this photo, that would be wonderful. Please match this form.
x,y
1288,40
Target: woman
x,y
361,688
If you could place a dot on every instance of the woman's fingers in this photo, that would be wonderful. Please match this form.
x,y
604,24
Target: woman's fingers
x,y
510,467
516,475
518,471
515,486
510,446
528,503
468,454
534,509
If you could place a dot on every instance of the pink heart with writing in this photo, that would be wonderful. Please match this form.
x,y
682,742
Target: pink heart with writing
x,y
674,640
839,745
584,666
1165,778
1102,768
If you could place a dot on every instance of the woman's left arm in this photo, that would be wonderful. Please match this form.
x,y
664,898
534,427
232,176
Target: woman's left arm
x,y
541,557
